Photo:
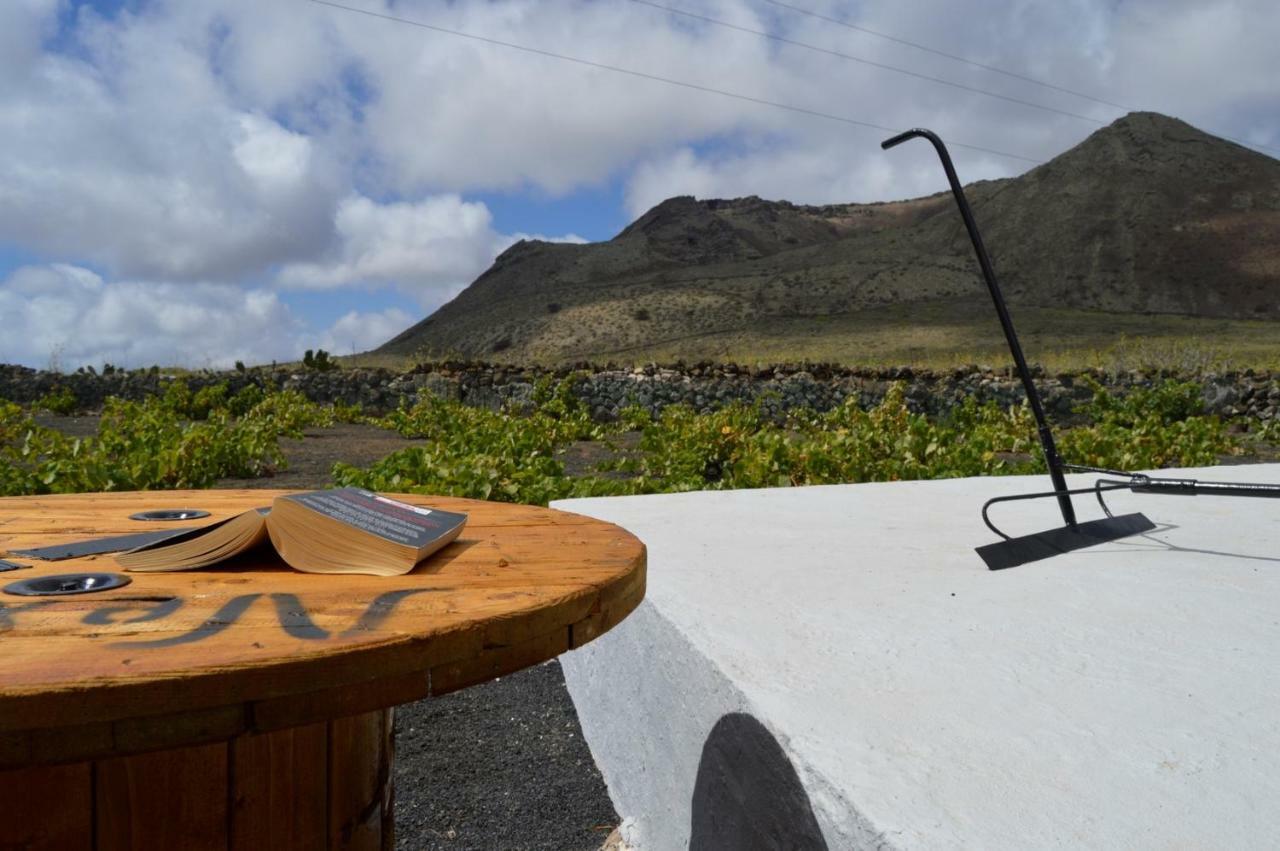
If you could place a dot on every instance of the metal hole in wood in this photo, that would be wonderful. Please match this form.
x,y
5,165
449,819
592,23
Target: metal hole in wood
x,y
167,514
66,583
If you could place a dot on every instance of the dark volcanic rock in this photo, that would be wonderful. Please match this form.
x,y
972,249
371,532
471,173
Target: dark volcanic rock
x,y
704,386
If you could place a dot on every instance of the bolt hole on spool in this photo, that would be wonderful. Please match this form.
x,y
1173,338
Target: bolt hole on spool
x,y
1073,535
64,584
164,515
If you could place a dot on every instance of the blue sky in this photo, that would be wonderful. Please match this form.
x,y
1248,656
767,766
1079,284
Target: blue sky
x,y
199,183
596,213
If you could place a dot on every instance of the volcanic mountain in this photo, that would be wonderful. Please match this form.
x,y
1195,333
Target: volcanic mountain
x,y
1147,215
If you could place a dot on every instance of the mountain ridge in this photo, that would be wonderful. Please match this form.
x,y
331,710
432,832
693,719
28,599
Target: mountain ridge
x,y
1146,215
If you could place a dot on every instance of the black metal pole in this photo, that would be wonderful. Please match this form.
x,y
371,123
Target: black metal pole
x,y
1037,409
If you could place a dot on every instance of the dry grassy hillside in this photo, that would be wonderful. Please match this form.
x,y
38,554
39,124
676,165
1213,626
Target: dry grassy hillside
x,y
1148,215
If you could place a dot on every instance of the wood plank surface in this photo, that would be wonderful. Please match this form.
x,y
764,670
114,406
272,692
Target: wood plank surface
x,y
360,770
47,808
197,656
168,799
280,790
319,787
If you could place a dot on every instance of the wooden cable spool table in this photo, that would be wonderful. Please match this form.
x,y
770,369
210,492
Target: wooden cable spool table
x,y
248,706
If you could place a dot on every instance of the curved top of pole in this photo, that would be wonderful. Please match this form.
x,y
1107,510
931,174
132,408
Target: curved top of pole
x,y
1011,336
954,179
913,133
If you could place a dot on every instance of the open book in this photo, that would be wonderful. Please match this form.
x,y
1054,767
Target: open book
x,y
337,531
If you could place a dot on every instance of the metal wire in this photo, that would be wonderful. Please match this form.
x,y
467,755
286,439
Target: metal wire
x,y
1138,482
1097,488
996,70
1081,468
967,61
644,75
863,60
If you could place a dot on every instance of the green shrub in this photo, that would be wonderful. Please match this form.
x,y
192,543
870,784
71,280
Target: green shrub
x,y
319,360
344,413
291,412
185,439
246,399
475,452
139,446
737,447
59,400
1162,426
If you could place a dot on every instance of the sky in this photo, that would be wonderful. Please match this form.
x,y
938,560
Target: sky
x,y
192,184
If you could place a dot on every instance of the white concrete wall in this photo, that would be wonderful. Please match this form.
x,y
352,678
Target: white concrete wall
x,y
1123,696
647,725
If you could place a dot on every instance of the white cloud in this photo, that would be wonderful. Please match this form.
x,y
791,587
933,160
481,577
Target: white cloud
x,y
439,241
358,332
1147,54
275,158
23,26
237,147
151,172
71,316
430,248
512,238
801,174
215,140
457,114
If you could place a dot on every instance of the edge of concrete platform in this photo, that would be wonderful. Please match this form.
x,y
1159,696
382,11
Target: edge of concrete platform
x,y
1078,699
688,760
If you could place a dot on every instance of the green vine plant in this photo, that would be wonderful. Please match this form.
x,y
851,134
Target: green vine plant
x,y
191,439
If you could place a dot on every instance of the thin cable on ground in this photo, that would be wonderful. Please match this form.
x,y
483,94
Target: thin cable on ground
x,y
654,77
783,40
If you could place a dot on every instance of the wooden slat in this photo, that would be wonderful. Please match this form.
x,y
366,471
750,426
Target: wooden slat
x,y
259,791
49,808
135,735
291,711
279,790
51,745
169,799
389,787
497,662
359,781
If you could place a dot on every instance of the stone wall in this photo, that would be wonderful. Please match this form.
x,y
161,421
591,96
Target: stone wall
x,y
606,389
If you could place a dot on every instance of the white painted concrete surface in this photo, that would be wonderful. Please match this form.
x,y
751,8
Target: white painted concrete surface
x,y
1122,696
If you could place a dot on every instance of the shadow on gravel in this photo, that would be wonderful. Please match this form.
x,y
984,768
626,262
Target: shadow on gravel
x,y
747,796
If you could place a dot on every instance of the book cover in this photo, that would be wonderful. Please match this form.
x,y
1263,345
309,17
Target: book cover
x,y
392,521
349,530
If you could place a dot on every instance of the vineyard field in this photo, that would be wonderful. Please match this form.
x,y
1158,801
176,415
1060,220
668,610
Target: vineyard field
x,y
280,439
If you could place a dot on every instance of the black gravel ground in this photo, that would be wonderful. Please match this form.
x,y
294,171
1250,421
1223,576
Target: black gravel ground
x,y
499,766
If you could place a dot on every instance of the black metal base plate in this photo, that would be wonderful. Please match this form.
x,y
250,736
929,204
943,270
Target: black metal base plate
x,y
1052,542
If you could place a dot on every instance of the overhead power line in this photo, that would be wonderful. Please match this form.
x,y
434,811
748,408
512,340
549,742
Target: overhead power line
x,y
644,75
967,61
895,69
992,68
